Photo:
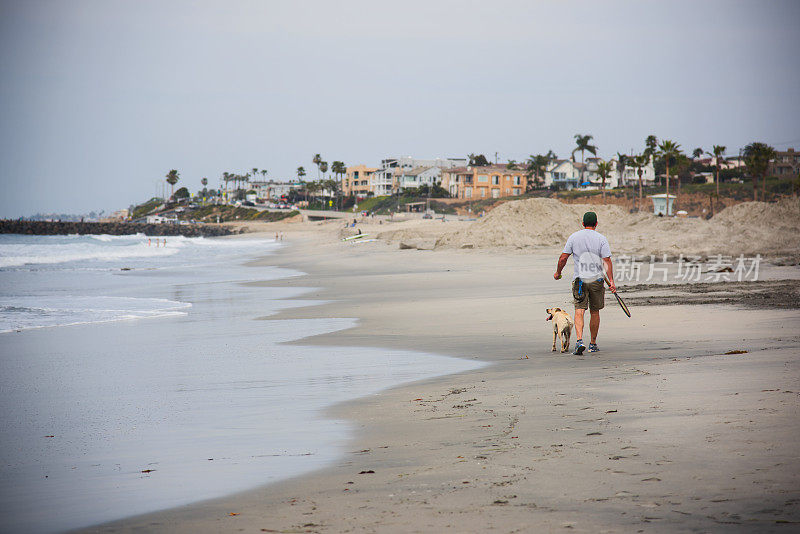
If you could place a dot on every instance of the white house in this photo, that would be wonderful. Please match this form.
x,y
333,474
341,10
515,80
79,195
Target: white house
x,y
566,174
630,175
563,174
417,176
272,190
158,219
383,181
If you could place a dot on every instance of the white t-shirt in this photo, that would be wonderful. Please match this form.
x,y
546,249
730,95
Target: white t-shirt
x,y
588,247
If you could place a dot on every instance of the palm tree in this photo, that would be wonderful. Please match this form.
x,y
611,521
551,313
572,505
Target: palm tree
x,y
651,144
582,142
312,187
717,151
172,179
226,177
697,152
323,167
301,172
255,171
650,149
317,160
604,171
639,162
622,164
757,157
264,174
338,168
511,165
668,150
538,164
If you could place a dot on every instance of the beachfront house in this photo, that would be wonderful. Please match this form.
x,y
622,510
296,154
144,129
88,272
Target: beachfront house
x,y
568,174
410,179
630,174
384,182
356,181
272,190
786,163
563,174
491,181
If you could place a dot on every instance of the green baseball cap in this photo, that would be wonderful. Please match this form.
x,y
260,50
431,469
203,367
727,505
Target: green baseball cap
x,y
590,218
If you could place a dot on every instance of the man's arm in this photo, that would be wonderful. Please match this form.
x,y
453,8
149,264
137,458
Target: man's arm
x,y
609,269
562,261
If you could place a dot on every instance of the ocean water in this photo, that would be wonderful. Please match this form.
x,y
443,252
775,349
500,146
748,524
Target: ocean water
x,y
135,378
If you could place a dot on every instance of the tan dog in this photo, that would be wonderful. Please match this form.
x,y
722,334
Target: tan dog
x,y
562,326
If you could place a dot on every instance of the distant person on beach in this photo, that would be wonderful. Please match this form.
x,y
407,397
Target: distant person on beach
x,y
591,255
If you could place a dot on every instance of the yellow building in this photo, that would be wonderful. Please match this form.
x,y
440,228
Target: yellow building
x,y
491,181
357,181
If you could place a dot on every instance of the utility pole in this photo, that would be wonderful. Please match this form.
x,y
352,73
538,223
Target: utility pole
x,y
495,158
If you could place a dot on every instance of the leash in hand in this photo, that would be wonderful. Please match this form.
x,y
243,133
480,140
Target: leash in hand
x,y
619,299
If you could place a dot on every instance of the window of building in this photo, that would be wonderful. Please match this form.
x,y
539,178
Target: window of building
x,y
495,180
516,180
483,178
495,193
468,192
483,191
516,191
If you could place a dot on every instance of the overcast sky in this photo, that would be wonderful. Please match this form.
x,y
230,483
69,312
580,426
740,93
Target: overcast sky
x,y
100,99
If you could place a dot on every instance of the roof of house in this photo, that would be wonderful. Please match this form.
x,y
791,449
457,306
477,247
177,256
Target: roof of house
x,y
416,171
485,169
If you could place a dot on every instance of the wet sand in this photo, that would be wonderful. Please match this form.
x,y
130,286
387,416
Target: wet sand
x,y
661,431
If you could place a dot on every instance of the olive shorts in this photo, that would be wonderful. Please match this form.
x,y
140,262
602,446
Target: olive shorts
x,y
592,295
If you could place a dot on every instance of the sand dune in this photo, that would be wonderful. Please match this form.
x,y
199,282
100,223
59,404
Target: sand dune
x,y
747,228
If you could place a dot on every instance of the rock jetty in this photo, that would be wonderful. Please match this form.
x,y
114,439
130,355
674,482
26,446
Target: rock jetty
x,y
111,228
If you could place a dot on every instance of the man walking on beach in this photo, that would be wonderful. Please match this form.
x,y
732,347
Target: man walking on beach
x,y
591,255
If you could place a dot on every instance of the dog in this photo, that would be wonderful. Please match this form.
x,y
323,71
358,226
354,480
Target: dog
x,y
562,326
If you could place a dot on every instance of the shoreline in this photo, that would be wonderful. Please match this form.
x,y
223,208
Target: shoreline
x,y
462,452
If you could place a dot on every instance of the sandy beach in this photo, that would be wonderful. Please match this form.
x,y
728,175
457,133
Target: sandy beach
x,y
685,421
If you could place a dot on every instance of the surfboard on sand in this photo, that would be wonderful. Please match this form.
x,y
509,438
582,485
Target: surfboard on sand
x,y
359,236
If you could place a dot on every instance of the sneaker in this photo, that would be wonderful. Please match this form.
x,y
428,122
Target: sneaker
x,y
593,347
579,347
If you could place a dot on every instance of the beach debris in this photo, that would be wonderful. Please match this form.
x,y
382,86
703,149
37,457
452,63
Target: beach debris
x,y
362,451
524,357
500,502
50,436
736,352
418,399
611,411
233,513
594,434
147,471
367,472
